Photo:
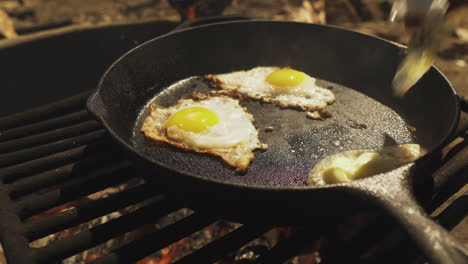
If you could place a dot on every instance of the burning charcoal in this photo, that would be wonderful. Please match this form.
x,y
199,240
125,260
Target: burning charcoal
x,y
250,253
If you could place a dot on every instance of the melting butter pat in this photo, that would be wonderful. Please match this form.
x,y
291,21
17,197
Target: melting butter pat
x,y
357,164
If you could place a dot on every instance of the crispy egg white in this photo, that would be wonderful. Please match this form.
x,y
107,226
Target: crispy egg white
x,y
215,124
283,86
357,164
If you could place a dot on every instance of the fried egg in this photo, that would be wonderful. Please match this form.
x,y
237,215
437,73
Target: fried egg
x,y
357,164
283,86
218,125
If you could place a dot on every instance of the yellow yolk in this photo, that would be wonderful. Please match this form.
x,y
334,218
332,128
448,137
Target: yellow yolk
x,y
285,79
193,119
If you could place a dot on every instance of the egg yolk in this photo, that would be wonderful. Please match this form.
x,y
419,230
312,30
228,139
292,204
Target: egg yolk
x,y
286,78
193,119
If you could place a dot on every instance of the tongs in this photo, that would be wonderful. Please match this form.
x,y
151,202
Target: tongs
x,y
423,19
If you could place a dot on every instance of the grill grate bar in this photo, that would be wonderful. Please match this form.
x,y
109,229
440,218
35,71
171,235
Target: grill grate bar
x,y
44,112
90,238
57,160
31,183
49,124
84,185
33,166
224,245
285,249
348,248
47,149
41,180
47,178
157,240
49,136
393,253
11,233
452,175
384,250
455,213
87,210
453,185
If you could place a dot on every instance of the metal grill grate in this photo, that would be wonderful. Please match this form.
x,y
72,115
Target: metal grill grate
x,y
56,155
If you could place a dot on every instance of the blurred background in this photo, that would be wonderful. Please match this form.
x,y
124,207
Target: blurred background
x,y
22,17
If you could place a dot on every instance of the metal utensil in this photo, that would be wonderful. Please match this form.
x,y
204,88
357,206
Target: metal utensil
x,y
424,24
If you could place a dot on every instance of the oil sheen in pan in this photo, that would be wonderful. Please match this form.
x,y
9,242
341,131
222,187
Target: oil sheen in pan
x,y
295,144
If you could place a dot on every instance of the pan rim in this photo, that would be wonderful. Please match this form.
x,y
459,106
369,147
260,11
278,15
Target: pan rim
x,y
96,94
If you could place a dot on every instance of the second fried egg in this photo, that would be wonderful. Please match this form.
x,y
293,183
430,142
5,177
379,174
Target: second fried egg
x,y
283,86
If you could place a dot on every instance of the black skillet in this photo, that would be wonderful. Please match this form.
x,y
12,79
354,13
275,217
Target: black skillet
x,y
358,68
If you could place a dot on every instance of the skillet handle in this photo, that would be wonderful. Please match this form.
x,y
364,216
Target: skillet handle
x,y
392,192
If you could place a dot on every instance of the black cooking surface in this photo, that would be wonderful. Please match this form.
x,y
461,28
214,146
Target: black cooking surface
x,y
296,143
57,154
